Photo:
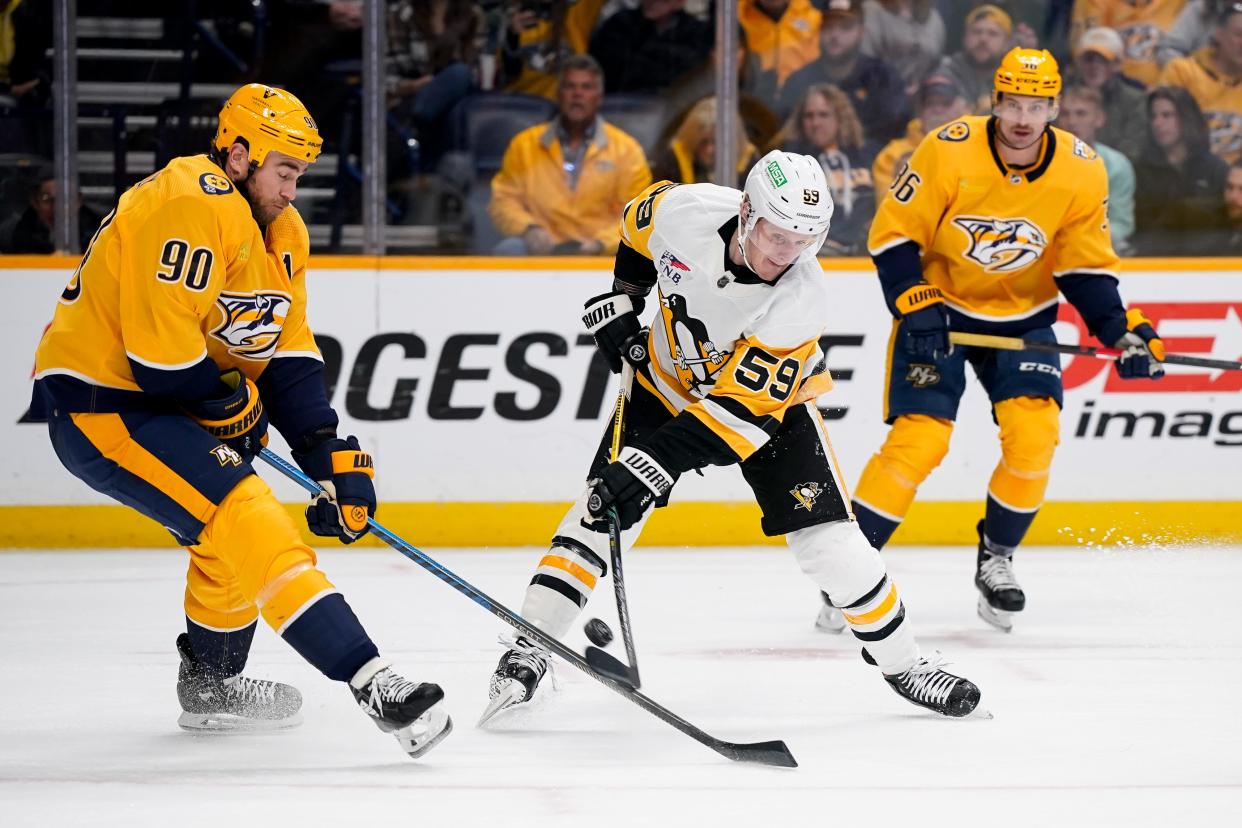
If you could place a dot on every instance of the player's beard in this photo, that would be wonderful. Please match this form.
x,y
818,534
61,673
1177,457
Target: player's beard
x,y
264,214
1036,136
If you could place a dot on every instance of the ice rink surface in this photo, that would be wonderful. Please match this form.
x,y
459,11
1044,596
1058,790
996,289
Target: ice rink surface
x,y
1116,700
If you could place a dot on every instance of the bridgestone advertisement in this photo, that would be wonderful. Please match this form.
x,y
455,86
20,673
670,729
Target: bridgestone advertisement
x,y
480,386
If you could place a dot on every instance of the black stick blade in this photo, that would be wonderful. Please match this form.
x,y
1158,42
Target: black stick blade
x,y
763,753
608,665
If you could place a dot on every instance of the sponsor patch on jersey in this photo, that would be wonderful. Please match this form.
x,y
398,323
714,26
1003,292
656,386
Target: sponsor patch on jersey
x,y
956,131
1002,245
252,322
806,494
671,267
215,184
777,175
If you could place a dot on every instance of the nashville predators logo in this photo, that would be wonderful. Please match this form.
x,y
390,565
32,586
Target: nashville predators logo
x,y
695,356
1002,245
921,375
251,322
806,494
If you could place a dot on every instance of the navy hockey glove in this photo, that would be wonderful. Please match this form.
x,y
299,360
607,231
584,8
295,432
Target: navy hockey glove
x,y
1142,349
345,472
924,322
612,318
630,485
236,418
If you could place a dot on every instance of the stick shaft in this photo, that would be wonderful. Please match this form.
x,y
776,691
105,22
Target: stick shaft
x,y
614,528
768,753
1013,343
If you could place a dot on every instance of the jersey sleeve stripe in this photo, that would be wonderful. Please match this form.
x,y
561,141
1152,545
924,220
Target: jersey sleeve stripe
x,y
889,245
308,354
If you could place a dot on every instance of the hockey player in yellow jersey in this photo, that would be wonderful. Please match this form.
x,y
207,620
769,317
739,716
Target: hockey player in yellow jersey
x,y
991,218
735,366
181,334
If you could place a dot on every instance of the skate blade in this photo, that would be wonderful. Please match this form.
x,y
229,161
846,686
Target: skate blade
x,y
830,620
228,723
425,732
1001,619
979,712
509,696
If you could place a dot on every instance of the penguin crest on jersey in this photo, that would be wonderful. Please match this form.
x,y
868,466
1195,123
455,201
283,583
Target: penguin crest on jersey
x,y
1002,245
252,322
695,357
806,494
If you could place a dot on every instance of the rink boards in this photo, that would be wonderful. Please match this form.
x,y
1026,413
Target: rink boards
x,y
473,383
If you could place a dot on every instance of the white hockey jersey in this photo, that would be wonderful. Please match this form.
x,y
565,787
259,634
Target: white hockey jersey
x,y
726,347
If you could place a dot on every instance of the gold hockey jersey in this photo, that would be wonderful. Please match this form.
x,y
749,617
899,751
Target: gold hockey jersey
x,y
181,270
991,238
735,352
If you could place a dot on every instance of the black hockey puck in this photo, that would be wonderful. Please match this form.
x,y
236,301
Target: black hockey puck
x,y
597,632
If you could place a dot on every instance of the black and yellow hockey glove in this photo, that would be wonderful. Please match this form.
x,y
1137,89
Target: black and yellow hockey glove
x,y
612,318
236,418
346,473
924,322
1142,349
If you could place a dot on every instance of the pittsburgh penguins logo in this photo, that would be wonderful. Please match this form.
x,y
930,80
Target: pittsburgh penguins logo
x,y
956,131
215,184
694,354
1002,245
806,494
252,322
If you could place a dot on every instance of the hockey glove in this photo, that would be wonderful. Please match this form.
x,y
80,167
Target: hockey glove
x,y
1142,349
630,485
612,318
236,418
345,472
924,322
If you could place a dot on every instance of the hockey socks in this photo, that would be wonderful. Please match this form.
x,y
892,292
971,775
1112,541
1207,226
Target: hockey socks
x,y
330,637
1004,528
222,652
875,527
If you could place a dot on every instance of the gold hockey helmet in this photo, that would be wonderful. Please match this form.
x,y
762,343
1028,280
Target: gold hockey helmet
x,y
268,119
1028,72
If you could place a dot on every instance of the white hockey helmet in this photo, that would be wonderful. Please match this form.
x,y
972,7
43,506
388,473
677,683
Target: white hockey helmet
x,y
791,192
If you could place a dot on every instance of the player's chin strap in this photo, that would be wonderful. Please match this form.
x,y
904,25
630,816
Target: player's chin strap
x,y
764,753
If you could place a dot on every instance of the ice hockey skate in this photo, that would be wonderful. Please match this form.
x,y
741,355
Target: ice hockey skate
x,y
212,702
928,685
411,712
830,619
517,677
1000,596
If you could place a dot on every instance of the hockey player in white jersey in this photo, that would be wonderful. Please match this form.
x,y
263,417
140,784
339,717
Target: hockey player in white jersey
x,y
734,370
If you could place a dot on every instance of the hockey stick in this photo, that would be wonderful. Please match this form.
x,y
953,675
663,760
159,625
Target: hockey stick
x,y
596,657
764,753
1013,343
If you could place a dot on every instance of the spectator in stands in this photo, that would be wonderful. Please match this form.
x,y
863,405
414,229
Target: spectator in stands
x,y
539,35
986,39
690,155
26,77
939,100
33,230
1179,180
1226,240
1097,64
824,126
1082,113
647,49
1213,77
875,89
1140,25
432,49
781,36
1037,24
562,184
908,33
1190,31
